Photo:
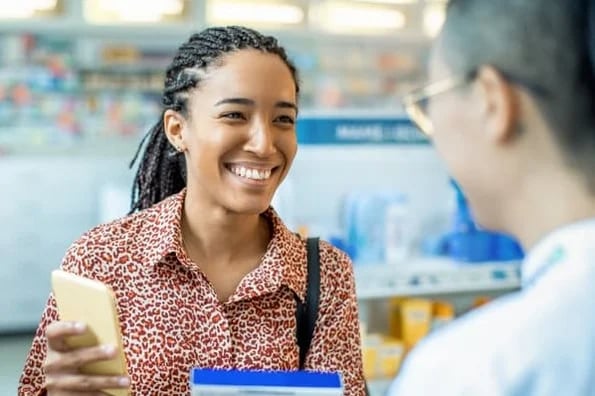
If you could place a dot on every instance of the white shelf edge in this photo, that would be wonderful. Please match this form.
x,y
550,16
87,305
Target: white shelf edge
x,y
435,276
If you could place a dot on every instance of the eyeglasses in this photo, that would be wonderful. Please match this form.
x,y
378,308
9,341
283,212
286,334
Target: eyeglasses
x,y
416,102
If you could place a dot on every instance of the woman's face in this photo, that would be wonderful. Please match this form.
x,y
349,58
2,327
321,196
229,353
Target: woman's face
x,y
239,135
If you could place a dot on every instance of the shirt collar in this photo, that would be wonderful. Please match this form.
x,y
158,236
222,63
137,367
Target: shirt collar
x,y
285,258
284,262
555,248
163,233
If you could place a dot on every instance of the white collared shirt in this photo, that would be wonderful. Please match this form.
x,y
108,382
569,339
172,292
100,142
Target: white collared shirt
x,y
539,341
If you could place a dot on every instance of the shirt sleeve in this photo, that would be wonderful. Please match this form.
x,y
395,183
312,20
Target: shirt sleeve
x,y
32,378
336,345
455,361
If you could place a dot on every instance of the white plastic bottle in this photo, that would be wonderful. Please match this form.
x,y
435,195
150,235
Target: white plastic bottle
x,y
397,231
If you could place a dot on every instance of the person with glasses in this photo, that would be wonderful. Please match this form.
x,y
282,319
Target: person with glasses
x,y
511,109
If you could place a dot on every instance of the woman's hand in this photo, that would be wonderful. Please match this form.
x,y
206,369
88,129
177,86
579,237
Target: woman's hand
x,y
63,363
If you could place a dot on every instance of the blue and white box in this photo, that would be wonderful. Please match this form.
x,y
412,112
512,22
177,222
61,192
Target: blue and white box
x,y
209,382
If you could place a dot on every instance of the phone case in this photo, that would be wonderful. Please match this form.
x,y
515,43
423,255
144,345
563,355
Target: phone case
x,y
93,303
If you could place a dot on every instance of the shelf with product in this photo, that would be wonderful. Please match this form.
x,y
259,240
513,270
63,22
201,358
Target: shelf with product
x,y
428,276
408,320
461,259
421,285
52,104
345,61
61,92
400,303
147,81
354,75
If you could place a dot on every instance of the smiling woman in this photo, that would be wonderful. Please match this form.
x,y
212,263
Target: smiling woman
x,y
204,271
241,117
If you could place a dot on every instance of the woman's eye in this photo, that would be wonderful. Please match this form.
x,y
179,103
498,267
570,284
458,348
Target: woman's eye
x,y
234,116
286,120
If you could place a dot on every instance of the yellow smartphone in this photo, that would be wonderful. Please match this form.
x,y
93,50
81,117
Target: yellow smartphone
x,y
93,303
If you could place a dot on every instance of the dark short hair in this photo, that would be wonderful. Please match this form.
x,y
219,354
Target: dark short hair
x,y
549,44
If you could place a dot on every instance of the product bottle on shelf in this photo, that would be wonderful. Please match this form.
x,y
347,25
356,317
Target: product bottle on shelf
x,y
397,230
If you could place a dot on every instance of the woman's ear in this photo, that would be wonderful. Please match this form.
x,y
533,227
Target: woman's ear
x,y
174,124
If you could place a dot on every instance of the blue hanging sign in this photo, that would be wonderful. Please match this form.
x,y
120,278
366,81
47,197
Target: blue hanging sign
x,y
358,131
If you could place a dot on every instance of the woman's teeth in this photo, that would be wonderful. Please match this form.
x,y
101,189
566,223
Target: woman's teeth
x,y
254,174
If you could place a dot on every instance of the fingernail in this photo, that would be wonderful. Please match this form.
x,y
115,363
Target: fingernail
x,y
109,349
78,326
124,381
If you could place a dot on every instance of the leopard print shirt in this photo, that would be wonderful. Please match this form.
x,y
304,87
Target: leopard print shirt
x,y
172,320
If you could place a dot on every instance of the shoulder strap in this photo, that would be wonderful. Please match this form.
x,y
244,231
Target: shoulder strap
x,y
307,313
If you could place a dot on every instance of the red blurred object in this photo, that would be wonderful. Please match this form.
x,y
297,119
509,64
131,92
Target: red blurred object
x,y
21,95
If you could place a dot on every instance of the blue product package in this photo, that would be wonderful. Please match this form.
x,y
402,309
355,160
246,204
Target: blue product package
x,y
507,248
471,247
462,218
340,244
213,382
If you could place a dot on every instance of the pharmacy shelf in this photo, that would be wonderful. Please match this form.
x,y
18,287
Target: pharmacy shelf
x,y
435,276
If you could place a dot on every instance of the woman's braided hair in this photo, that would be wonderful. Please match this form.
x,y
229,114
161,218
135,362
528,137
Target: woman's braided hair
x,y
162,170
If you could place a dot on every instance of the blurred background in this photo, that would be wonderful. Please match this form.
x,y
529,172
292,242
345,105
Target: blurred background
x,y
80,85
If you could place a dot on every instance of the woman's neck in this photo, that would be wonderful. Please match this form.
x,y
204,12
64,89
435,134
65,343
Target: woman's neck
x,y
215,235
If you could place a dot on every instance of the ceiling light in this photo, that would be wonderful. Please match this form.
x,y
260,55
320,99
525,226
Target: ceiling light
x,y
341,16
109,11
267,13
26,8
389,1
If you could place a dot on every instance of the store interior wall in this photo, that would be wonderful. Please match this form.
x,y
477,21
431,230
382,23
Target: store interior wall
x,y
53,200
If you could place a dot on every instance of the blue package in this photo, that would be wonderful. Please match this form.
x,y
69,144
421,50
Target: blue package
x,y
213,382
507,248
471,246
469,243
340,244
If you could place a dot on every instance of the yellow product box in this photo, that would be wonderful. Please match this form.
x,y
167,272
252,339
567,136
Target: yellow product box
x,y
370,348
394,317
412,320
390,355
481,301
444,313
370,360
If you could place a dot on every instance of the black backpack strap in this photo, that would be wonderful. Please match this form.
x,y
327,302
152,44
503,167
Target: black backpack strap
x,y
307,313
